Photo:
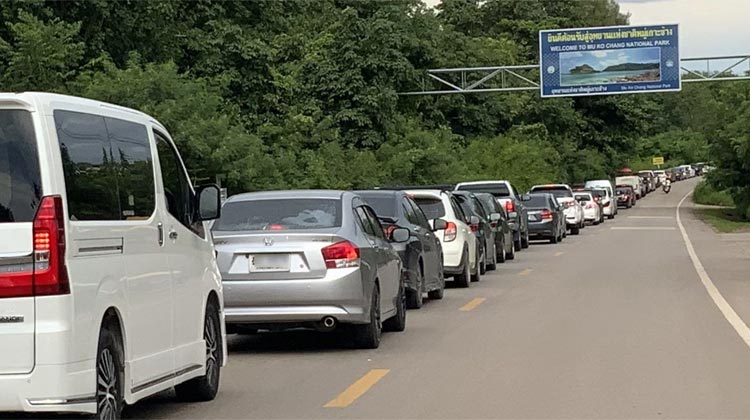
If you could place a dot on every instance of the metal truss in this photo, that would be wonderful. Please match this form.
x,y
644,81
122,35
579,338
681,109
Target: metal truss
x,y
465,80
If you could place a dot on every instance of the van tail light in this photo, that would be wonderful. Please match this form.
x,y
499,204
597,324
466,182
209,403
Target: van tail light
x,y
510,206
546,215
342,254
450,232
50,273
46,274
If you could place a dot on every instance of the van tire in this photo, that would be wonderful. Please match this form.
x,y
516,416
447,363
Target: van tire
x,y
109,370
205,388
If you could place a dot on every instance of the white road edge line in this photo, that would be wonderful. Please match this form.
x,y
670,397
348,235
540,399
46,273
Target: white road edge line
x,y
731,316
650,217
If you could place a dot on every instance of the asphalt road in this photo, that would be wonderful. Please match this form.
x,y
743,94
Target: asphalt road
x,y
613,323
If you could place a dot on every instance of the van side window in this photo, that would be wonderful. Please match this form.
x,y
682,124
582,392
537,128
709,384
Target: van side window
x,y
177,190
90,180
107,165
134,168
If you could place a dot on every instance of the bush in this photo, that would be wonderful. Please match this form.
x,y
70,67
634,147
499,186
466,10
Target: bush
x,y
705,193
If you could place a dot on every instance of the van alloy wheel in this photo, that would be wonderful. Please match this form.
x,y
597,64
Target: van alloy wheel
x,y
107,386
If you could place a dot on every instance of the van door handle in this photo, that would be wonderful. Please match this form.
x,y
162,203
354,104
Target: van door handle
x,y
160,228
173,235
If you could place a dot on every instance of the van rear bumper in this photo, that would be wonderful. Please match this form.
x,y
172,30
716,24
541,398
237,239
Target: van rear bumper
x,y
68,388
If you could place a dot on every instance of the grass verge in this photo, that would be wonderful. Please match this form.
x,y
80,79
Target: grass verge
x,y
724,220
705,193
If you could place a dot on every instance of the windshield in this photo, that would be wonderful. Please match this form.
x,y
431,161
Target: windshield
x,y
20,181
384,206
431,207
280,214
498,190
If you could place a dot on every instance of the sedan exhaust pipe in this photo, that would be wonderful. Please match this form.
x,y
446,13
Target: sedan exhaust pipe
x,y
326,324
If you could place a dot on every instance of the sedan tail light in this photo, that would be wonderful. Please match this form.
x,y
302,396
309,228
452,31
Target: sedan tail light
x,y
450,232
590,206
510,206
474,228
546,215
341,255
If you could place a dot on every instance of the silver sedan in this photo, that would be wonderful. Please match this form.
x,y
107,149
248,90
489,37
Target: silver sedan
x,y
310,259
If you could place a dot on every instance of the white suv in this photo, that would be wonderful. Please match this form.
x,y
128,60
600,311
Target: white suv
x,y
109,288
456,235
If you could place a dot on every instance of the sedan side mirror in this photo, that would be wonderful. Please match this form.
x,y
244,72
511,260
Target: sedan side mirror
x,y
439,224
209,202
474,220
494,217
400,235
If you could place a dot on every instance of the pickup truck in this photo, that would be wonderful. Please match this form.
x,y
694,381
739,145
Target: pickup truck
x,y
511,201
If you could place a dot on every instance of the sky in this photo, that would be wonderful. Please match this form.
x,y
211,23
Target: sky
x,y
707,27
600,60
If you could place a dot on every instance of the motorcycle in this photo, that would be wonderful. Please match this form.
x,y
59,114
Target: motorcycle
x,y
667,186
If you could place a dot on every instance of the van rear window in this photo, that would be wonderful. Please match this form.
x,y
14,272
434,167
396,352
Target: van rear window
x,y
20,181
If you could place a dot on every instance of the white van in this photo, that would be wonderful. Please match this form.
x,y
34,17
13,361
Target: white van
x,y
609,203
109,288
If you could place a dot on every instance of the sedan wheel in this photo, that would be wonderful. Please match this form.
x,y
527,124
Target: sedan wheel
x,y
367,336
414,298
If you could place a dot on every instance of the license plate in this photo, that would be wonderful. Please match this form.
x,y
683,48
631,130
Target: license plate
x,y
270,262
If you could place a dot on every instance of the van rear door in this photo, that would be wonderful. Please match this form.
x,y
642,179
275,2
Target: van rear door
x,y
20,196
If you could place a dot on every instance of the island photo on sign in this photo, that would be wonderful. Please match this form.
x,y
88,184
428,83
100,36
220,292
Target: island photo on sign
x,y
610,66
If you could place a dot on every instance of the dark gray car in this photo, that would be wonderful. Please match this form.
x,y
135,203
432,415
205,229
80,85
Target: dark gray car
x,y
422,254
546,217
498,220
315,259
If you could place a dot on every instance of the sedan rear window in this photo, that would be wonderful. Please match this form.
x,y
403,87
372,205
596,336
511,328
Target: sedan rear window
x,y
558,192
498,190
20,181
537,201
280,214
432,207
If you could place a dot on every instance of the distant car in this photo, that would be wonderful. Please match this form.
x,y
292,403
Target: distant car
x,y
592,211
634,181
601,197
458,241
507,195
625,196
650,178
546,218
315,259
609,203
661,176
422,254
499,222
564,195
485,233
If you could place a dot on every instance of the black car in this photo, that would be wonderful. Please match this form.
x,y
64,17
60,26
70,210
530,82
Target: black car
x,y
499,222
471,206
422,254
546,217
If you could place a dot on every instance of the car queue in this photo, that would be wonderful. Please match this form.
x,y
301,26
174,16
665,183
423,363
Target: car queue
x,y
119,279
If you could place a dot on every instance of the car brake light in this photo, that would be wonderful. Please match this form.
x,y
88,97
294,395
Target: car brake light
x,y
474,228
46,274
590,205
342,254
510,206
606,204
546,214
450,232
493,225
275,227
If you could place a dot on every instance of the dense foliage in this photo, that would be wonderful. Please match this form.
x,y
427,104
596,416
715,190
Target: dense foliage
x,y
303,93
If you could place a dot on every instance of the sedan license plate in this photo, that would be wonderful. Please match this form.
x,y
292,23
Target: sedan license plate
x,y
268,262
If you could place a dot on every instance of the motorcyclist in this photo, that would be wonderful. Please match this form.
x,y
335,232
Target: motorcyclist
x,y
667,184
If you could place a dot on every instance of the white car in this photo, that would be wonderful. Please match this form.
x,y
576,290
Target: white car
x,y
661,176
459,242
609,203
572,209
109,288
591,210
